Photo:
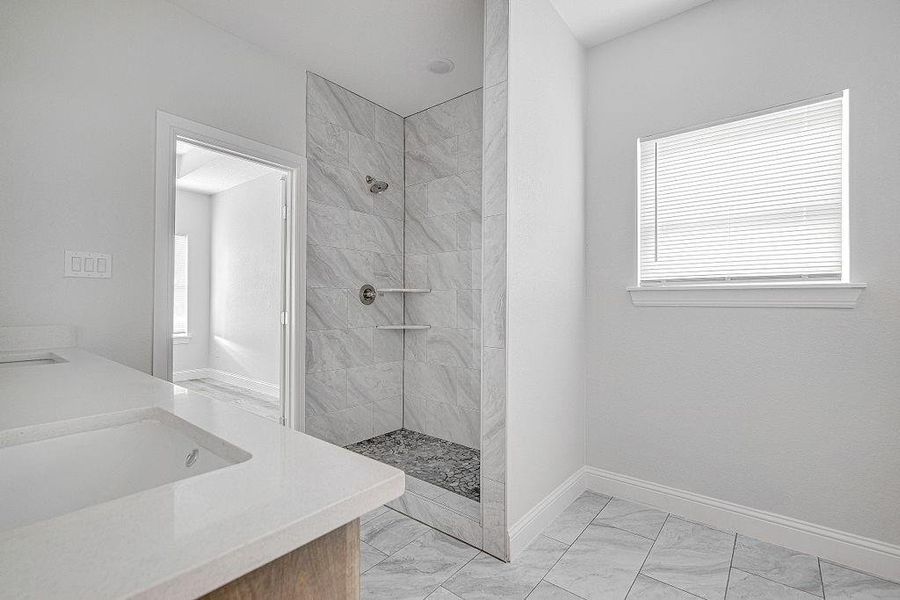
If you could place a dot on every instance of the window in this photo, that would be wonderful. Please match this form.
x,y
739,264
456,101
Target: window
x,y
180,300
759,199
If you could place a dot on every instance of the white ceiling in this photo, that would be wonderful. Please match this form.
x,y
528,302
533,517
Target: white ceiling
x,y
376,48
207,172
596,21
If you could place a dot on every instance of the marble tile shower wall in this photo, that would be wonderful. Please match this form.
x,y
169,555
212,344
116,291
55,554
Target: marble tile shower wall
x,y
442,386
354,371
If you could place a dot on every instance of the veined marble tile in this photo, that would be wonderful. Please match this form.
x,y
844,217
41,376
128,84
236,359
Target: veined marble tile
x,y
387,415
460,504
388,345
437,308
633,517
416,271
548,591
389,203
328,225
574,520
493,414
842,583
337,268
430,235
449,422
442,594
415,413
416,570
785,566
333,349
414,345
326,392
494,293
342,427
486,578
645,588
439,517
468,230
326,308
444,120
387,270
468,391
431,162
471,147
333,103
744,586
431,382
496,40
376,382
416,201
368,157
454,270
691,557
371,233
338,186
453,347
386,310
388,128
327,142
468,309
495,540
601,564
453,194
495,148
391,531
369,557
423,488
372,514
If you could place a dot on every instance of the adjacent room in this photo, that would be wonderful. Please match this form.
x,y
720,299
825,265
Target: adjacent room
x,y
450,300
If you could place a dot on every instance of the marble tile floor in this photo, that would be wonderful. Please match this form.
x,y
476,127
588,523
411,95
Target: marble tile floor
x,y
601,548
442,463
249,400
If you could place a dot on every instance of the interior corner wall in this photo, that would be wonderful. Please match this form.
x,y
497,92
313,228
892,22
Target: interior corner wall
x,y
89,77
545,230
245,280
192,218
789,410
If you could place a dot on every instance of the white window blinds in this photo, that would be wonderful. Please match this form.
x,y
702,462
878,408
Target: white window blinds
x,y
180,300
762,197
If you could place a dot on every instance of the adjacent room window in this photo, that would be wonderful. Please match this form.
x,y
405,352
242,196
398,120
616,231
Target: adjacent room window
x,y
760,198
180,303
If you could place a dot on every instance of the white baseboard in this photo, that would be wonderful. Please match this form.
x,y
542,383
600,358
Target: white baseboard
x,y
526,529
866,554
263,387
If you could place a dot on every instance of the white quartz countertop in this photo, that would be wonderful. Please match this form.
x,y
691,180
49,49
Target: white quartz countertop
x,y
186,538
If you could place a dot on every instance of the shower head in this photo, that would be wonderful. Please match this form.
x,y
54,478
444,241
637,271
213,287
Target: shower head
x,y
376,186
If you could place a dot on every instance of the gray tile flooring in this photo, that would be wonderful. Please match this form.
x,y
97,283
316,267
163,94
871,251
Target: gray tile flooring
x,y
453,467
254,402
602,548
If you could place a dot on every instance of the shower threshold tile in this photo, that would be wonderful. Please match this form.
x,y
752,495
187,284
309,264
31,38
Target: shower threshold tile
x,y
448,465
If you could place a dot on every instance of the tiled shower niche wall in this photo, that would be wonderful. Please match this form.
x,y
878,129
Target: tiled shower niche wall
x,y
442,388
354,378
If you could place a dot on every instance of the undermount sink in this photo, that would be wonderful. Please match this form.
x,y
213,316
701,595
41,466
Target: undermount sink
x,y
53,469
30,359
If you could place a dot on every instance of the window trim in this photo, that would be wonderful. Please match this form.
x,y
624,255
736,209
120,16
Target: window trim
x,y
837,293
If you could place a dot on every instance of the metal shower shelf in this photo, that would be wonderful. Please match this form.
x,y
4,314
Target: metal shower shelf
x,y
403,291
403,327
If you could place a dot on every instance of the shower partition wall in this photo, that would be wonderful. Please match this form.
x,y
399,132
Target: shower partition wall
x,y
408,397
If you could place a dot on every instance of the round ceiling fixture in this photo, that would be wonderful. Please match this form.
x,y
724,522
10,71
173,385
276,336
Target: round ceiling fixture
x,y
441,66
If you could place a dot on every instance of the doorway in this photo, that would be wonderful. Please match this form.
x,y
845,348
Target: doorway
x,y
226,303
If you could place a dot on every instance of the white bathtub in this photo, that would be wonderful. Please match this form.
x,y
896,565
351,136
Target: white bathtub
x,y
53,469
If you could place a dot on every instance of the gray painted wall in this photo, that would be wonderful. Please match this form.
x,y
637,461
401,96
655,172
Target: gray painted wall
x,y
442,378
793,411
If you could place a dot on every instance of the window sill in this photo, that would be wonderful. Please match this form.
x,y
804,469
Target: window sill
x,y
181,338
779,295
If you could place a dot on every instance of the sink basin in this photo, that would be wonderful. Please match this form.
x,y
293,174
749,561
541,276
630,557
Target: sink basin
x,y
30,359
53,469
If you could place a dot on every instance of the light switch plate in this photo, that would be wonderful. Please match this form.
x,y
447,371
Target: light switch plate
x,y
94,265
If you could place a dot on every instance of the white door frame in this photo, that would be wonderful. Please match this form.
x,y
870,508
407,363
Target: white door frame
x,y
168,129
